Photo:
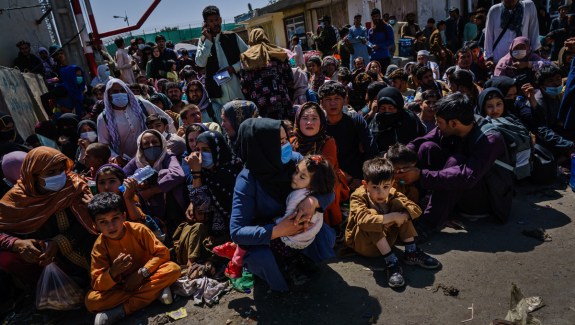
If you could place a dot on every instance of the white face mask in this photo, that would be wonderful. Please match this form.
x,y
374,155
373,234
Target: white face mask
x,y
56,182
519,54
90,136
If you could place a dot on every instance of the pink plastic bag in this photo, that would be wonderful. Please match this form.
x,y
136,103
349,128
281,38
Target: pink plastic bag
x,y
57,291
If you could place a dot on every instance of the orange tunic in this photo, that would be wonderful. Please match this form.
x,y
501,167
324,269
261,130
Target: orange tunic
x,y
332,215
147,251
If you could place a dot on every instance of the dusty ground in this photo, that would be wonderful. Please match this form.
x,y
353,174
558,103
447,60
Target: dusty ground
x,y
481,262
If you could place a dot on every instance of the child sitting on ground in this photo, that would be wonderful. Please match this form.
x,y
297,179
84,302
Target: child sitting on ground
x,y
313,174
378,216
401,157
130,267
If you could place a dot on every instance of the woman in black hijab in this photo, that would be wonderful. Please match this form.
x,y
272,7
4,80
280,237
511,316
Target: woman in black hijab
x,y
259,197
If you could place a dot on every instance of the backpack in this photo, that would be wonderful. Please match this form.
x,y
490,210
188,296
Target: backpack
x,y
518,142
544,166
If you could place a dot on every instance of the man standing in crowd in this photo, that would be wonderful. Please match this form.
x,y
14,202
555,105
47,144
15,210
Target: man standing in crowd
x,y
506,21
382,38
430,28
327,37
454,30
411,28
220,63
165,53
358,38
26,61
124,62
558,29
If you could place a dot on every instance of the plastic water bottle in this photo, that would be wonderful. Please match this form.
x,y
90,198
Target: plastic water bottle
x,y
153,225
140,175
572,179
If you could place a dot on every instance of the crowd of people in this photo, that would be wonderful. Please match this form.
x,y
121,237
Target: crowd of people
x,y
259,158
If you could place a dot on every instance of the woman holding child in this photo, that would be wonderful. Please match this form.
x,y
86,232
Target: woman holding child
x,y
214,170
259,197
43,218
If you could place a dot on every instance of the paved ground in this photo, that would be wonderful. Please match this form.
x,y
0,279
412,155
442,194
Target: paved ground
x,y
481,262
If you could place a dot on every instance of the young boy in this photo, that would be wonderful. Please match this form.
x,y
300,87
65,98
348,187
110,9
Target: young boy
x,y
130,267
378,216
97,155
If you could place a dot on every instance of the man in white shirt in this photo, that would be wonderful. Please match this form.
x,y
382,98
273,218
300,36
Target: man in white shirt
x,y
124,62
521,20
215,59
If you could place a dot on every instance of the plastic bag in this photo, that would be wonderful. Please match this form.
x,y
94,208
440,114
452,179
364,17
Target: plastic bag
x,y
57,291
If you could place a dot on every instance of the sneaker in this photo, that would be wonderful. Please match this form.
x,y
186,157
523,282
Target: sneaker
x,y
395,275
166,296
110,316
226,250
421,259
233,271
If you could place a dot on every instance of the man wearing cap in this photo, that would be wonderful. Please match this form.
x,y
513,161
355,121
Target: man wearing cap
x,y
454,30
358,38
410,29
26,61
506,21
557,30
326,38
423,60
382,37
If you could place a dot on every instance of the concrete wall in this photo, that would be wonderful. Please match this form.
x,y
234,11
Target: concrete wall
x,y
20,98
20,24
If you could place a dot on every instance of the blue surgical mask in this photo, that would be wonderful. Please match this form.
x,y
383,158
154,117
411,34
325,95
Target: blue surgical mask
x,y
120,99
56,182
207,160
153,153
79,80
553,91
286,153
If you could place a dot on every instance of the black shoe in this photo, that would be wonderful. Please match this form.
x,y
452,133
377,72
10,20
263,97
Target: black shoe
x,y
395,275
421,259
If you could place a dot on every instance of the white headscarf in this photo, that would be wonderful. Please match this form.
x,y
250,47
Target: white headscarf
x,y
133,105
141,160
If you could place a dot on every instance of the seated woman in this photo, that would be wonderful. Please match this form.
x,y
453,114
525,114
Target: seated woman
x,y
214,169
259,197
374,70
492,106
311,139
520,62
43,219
165,197
233,114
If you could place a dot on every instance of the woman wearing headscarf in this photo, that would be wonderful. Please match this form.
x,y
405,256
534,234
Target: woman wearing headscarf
x,y
311,139
45,219
259,197
124,119
197,94
233,114
11,167
103,75
329,66
87,134
164,193
214,169
72,78
520,62
67,125
393,123
266,76
156,68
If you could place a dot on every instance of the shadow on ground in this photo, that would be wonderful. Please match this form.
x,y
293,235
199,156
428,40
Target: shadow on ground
x,y
327,300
